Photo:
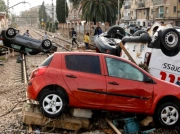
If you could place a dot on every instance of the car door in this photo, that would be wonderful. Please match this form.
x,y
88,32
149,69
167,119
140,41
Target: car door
x,y
126,88
83,76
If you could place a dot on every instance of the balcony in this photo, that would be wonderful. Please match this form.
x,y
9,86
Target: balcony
x,y
158,2
160,15
141,5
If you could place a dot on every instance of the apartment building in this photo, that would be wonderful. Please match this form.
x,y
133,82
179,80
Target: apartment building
x,y
146,12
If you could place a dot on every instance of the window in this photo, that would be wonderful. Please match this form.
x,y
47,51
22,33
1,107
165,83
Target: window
x,y
47,61
174,8
18,47
151,11
83,63
120,69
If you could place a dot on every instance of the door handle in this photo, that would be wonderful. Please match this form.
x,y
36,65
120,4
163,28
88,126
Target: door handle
x,y
71,76
113,83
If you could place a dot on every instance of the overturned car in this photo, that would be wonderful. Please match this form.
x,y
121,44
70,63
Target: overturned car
x,y
11,38
108,41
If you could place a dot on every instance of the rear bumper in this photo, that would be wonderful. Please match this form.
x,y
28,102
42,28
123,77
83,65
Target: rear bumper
x,y
35,85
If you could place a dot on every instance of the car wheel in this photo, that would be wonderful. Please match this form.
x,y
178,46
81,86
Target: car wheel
x,y
114,30
168,114
52,103
170,39
46,44
139,32
10,33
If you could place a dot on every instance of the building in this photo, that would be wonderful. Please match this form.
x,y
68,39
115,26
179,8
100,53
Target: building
x,y
74,15
146,12
49,11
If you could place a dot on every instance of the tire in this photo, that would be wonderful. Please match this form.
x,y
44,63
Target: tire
x,y
50,106
112,32
139,32
46,44
167,114
10,33
170,39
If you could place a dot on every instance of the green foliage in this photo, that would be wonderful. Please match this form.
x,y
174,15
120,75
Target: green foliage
x,y
2,6
42,13
56,25
61,10
104,10
47,25
98,10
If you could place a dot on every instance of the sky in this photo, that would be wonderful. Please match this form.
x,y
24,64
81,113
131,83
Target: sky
x,y
22,7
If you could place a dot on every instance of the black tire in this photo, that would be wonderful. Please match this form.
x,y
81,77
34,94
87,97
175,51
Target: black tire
x,y
170,39
112,32
46,44
10,33
168,120
139,32
61,101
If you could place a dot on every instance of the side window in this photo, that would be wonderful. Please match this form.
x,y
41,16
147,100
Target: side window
x,y
83,63
120,69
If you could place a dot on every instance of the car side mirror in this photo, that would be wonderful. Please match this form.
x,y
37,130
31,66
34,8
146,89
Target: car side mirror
x,y
148,80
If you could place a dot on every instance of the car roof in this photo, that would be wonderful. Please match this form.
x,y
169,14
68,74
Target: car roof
x,y
94,53
101,54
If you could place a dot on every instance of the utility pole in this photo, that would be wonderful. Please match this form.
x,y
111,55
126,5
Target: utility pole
x,y
53,25
118,12
7,7
52,12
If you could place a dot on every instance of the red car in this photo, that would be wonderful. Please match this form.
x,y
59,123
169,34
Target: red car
x,y
104,82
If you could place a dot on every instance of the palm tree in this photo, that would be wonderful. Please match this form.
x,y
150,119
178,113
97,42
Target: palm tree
x,y
98,10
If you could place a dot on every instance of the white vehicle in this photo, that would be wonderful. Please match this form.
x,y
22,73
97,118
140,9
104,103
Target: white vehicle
x,y
161,54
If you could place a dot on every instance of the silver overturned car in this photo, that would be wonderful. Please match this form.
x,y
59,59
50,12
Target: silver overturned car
x,y
11,38
108,41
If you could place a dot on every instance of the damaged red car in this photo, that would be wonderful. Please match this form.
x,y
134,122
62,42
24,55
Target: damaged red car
x,y
103,82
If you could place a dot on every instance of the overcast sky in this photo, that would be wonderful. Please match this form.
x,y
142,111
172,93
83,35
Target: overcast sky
x,y
22,7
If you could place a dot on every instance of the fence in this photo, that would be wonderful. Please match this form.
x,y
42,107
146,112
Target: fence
x,y
81,30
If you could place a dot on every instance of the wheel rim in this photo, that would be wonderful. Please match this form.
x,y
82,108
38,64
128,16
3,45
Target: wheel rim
x,y
47,43
52,104
11,32
171,39
169,115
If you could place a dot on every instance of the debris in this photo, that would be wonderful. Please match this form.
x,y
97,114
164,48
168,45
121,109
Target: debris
x,y
112,126
32,116
17,110
131,125
146,121
82,113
